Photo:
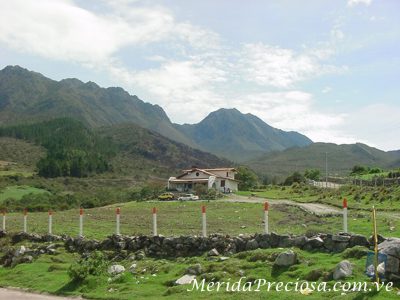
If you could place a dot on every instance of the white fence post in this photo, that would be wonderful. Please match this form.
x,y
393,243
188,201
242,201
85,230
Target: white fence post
x,y
204,221
154,221
345,215
4,220
81,222
50,222
266,208
25,219
118,213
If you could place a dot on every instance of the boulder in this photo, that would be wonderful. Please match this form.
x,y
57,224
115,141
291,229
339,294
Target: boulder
x,y
213,252
358,240
194,270
20,251
185,279
132,268
116,269
342,270
285,259
251,245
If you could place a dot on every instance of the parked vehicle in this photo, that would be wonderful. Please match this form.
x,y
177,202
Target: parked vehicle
x,y
166,196
188,197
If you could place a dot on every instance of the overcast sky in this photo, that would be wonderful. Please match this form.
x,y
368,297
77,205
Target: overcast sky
x,y
328,69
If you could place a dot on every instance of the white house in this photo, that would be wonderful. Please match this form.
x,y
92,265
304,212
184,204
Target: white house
x,y
221,179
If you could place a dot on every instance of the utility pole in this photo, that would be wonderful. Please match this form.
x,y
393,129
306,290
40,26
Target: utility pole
x,y
326,169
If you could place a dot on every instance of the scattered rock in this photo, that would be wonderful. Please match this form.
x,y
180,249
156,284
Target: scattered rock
x,y
132,268
20,251
223,258
185,279
116,269
251,245
342,270
285,259
194,270
213,252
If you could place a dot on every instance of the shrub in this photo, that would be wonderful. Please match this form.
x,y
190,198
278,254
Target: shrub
x,y
94,264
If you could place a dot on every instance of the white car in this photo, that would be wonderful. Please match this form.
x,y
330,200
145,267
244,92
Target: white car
x,y
188,197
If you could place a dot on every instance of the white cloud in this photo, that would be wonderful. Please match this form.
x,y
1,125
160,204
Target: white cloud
x,y
62,30
356,2
278,67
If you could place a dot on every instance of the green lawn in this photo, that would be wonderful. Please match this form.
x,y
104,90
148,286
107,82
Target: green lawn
x,y
175,218
18,191
16,172
153,278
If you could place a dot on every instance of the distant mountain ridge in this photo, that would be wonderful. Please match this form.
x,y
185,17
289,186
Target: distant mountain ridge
x,y
27,96
229,133
340,158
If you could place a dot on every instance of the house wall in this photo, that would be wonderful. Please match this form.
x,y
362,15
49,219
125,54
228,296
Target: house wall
x,y
229,184
223,174
192,175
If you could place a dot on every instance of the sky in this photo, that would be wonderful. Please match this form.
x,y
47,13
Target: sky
x,y
327,69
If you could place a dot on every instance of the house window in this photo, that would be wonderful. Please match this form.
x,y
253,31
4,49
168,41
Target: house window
x,y
222,183
197,174
227,174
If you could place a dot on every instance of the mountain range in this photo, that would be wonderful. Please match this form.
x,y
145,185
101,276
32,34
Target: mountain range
x,y
145,132
27,96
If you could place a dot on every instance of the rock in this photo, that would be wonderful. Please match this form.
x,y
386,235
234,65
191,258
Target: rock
x,y
20,251
116,269
132,268
342,270
358,240
340,238
185,279
251,245
194,270
139,255
213,252
315,242
285,259
223,258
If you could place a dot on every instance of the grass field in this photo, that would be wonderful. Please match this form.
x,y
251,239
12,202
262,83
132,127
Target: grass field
x,y
154,278
175,218
18,191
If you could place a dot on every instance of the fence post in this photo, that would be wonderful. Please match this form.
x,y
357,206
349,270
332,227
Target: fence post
x,y
4,220
345,215
204,220
25,219
50,222
118,213
266,208
81,222
154,221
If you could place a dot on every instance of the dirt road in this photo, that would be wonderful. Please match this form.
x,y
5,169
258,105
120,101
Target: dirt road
x,y
22,295
313,208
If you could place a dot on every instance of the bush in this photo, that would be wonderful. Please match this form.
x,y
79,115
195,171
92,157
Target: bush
x,y
295,177
95,264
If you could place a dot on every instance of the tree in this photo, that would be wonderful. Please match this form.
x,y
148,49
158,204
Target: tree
x,y
295,177
247,178
358,169
313,174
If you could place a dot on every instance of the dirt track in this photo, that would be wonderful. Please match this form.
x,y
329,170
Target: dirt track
x,y
313,208
16,294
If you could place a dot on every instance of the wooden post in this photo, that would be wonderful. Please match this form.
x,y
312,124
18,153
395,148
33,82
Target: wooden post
x,y
204,220
50,222
25,219
155,221
345,215
266,208
81,222
375,244
118,213
4,220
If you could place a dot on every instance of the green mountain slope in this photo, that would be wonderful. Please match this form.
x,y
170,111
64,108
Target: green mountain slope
x,y
341,158
237,136
30,96
147,152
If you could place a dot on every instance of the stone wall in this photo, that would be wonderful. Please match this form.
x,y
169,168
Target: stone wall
x,y
160,246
